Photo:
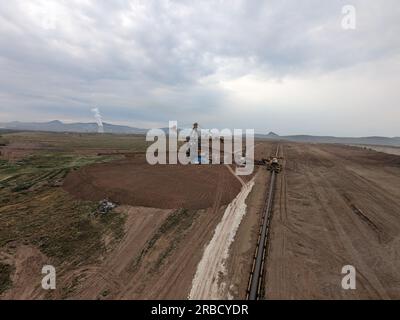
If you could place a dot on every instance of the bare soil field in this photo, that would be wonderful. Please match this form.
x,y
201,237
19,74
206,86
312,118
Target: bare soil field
x,y
136,183
335,206
19,145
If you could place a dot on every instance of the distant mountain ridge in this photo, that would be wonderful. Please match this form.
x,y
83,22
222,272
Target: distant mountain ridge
x,y
58,126
373,140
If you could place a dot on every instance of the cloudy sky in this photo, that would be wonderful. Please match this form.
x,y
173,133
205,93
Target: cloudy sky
x,y
272,65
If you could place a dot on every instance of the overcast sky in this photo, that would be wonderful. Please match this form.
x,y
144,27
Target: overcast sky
x,y
283,66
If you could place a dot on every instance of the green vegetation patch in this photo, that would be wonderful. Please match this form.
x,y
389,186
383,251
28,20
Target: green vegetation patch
x,y
5,277
34,209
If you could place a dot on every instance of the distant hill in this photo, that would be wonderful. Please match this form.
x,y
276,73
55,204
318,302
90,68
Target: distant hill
x,y
379,141
58,126
272,135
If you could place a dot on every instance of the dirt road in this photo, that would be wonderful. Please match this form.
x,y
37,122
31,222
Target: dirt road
x,y
207,283
335,206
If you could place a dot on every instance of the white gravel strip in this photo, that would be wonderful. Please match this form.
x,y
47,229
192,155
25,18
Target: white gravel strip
x,y
207,282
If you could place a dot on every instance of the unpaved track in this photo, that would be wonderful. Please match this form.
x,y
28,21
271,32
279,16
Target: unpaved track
x,y
207,283
335,206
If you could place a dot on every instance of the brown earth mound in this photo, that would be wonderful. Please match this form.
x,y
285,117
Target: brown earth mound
x,y
137,183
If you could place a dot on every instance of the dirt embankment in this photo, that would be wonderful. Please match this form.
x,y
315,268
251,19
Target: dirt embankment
x,y
156,259
114,273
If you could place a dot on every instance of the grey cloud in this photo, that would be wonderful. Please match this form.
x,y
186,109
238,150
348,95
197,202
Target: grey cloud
x,y
148,59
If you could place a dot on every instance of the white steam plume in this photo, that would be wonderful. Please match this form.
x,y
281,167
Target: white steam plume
x,y
99,120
